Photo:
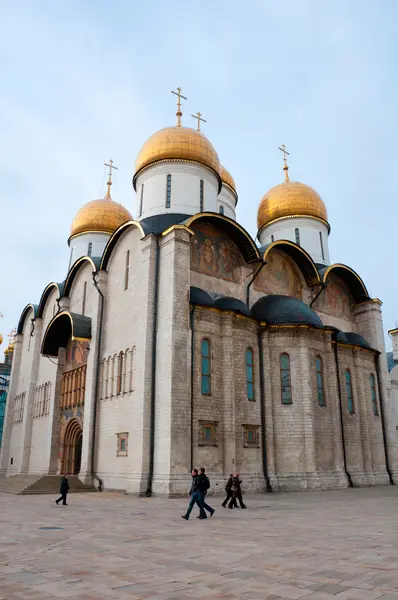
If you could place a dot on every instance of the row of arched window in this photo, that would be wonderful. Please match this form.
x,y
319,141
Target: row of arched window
x,y
18,408
285,376
117,374
41,402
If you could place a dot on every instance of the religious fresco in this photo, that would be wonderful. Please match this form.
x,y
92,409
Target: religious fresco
x,y
76,354
279,276
213,253
336,300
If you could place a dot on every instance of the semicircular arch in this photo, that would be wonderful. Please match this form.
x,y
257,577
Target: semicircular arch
x,y
350,278
24,314
75,268
302,259
113,240
46,294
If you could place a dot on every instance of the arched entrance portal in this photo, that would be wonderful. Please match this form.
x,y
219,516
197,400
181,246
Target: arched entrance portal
x,y
72,454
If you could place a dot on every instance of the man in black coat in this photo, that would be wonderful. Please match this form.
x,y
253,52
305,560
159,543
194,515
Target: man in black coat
x,y
196,497
63,489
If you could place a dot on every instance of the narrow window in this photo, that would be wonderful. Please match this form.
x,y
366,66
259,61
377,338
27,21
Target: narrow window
x,y
84,298
249,374
321,240
141,199
90,249
127,270
319,381
168,191
286,388
221,210
201,196
119,374
205,367
348,387
272,238
297,234
374,398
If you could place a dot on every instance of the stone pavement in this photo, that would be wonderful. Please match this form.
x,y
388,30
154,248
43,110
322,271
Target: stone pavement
x,y
312,545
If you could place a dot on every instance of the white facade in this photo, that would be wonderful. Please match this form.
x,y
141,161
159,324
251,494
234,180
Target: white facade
x,y
184,195
313,235
87,244
226,202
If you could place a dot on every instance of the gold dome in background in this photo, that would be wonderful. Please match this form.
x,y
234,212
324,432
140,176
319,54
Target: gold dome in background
x,y
103,216
290,199
1,339
177,143
227,178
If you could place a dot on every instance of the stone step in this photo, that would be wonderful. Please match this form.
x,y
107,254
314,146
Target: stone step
x,y
40,484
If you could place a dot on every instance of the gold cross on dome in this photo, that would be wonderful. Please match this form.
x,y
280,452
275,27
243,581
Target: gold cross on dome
x,y
285,167
198,116
179,96
109,182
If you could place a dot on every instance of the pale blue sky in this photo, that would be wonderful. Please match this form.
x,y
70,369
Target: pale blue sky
x,y
85,81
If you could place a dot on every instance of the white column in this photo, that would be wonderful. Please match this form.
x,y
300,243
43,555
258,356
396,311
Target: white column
x,y
55,415
228,394
7,427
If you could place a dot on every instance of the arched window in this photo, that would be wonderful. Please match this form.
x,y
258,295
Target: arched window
x,y
201,196
250,374
286,386
141,199
373,392
272,238
119,374
321,240
350,397
297,234
319,381
221,210
205,367
127,270
90,249
168,191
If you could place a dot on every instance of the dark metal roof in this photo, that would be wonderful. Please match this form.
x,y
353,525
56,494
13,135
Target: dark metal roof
x,y
349,337
302,259
46,293
229,303
391,363
159,223
200,297
350,278
284,310
75,268
65,325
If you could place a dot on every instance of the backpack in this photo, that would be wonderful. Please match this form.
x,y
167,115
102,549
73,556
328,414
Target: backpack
x,y
207,482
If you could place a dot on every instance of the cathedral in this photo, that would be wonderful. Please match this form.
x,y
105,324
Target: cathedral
x,y
177,340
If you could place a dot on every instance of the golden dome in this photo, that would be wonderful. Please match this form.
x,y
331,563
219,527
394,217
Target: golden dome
x,y
103,216
227,178
290,199
1,339
177,143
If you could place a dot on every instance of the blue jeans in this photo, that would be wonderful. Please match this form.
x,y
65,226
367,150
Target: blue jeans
x,y
196,498
205,505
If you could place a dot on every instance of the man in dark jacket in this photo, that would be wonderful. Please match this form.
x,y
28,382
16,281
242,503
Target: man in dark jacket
x,y
63,490
204,485
196,497
228,490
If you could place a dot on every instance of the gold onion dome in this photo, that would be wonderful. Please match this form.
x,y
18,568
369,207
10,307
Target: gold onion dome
x,y
227,178
101,216
1,339
178,143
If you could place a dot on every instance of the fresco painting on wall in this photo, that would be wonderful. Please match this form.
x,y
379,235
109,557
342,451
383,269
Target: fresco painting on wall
x,y
336,299
76,354
279,276
215,254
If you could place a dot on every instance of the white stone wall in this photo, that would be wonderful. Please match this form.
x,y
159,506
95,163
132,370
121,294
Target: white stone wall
x,y
309,235
185,189
80,245
127,324
394,392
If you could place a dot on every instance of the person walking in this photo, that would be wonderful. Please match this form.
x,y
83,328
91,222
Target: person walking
x,y
204,485
196,497
63,490
239,492
234,491
228,490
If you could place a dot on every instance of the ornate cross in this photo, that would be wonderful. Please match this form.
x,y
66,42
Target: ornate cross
x,y
179,96
285,167
199,117
109,182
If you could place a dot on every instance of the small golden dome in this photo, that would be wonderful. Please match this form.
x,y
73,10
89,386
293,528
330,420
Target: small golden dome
x,y
290,199
177,143
103,216
1,339
227,178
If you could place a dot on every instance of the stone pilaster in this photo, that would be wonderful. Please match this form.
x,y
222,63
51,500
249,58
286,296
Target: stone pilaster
x,y
308,412
7,427
27,424
55,415
369,321
91,376
228,394
362,408
269,412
